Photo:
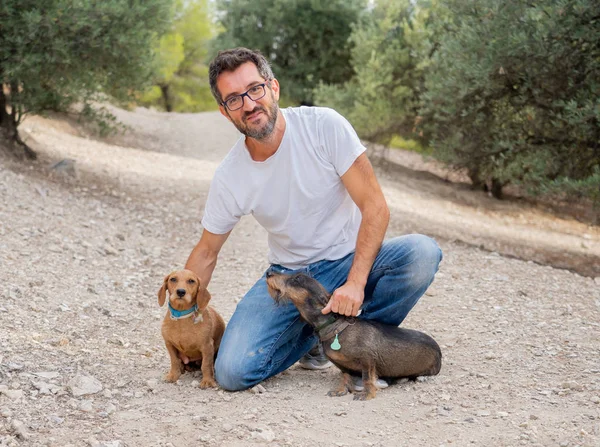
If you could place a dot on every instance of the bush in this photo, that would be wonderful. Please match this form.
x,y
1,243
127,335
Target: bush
x,y
306,41
58,52
389,57
513,94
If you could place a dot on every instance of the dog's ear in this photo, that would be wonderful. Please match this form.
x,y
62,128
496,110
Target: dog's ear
x,y
202,296
162,292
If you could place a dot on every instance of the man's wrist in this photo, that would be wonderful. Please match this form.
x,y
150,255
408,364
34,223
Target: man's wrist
x,y
357,279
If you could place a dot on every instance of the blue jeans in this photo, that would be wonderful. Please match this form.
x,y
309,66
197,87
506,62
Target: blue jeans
x,y
263,339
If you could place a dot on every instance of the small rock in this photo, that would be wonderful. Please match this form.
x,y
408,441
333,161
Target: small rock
x,y
82,385
259,389
86,406
55,419
14,366
13,394
483,413
19,429
109,250
65,166
46,388
264,435
443,411
93,442
572,385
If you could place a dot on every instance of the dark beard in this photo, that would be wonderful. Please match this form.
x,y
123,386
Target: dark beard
x,y
264,132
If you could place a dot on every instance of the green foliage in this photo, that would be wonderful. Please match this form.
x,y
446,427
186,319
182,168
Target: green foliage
x,y
409,145
513,93
389,57
306,41
58,52
181,81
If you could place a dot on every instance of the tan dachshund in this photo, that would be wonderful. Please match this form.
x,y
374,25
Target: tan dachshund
x,y
192,329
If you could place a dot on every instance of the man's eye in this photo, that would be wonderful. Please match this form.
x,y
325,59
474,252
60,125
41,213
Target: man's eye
x,y
254,90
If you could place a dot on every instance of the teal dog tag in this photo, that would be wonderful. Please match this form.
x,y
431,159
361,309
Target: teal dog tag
x,y
336,344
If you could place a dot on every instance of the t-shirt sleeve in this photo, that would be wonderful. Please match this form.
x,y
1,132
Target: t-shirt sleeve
x,y
339,141
221,211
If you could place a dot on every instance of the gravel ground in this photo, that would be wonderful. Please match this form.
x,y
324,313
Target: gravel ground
x,y
84,247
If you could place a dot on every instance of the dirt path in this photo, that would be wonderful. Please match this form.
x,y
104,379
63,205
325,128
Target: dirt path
x,y
83,256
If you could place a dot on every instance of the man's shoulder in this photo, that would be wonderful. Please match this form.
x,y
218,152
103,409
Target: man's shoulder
x,y
309,113
317,121
233,158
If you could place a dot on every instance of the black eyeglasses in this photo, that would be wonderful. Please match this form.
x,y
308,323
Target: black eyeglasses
x,y
254,93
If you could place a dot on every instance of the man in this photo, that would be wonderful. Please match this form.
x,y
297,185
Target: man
x,y
304,175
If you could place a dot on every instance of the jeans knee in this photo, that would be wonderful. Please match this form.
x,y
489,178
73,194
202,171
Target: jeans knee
x,y
231,376
426,257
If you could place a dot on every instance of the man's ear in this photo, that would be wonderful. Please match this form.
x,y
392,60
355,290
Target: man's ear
x,y
162,292
275,88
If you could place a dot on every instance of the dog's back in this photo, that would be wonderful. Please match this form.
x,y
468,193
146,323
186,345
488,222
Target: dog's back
x,y
396,352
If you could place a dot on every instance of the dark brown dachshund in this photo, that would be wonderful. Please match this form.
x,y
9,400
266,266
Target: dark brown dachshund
x,y
192,329
355,346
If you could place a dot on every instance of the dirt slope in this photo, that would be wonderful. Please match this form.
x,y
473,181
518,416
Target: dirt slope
x,y
83,251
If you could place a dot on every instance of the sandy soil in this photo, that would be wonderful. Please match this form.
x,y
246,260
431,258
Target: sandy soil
x,y
84,246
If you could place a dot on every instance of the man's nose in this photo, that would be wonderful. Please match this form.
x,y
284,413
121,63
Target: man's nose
x,y
249,104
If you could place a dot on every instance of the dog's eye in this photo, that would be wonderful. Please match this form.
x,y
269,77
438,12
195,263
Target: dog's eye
x,y
173,279
191,281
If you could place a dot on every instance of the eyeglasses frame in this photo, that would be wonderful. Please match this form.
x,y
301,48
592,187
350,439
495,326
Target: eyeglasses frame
x,y
241,95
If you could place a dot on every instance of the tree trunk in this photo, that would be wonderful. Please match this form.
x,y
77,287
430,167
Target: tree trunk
x,y
9,132
476,181
496,190
164,88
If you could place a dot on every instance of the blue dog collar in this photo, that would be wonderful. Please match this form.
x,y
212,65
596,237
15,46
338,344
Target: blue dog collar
x,y
180,314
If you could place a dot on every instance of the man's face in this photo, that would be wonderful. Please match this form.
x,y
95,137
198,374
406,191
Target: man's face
x,y
256,119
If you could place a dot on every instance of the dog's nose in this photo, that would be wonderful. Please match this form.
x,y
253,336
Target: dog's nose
x,y
180,293
270,273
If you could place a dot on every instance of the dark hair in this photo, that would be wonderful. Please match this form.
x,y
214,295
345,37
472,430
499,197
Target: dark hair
x,y
230,60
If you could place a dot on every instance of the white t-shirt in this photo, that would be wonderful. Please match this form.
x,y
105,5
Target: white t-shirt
x,y
297,194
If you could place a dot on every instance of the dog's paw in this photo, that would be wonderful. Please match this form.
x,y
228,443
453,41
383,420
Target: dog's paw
x,y
363,396
172,377
208,383
337,393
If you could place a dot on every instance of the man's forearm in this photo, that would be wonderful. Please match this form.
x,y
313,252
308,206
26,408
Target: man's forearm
x,y
371,232
202,262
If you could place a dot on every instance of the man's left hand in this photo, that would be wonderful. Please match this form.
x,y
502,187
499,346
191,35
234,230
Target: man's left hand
x,y
346,300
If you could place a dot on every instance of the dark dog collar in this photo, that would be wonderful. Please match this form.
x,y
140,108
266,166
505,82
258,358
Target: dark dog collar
x,y
332,319
334,327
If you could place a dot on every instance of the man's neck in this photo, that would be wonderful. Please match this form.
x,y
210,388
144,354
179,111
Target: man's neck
x,y
260,150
